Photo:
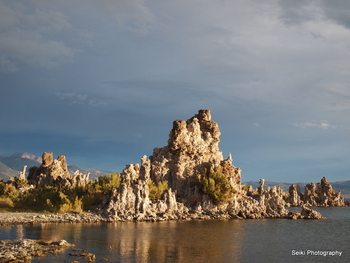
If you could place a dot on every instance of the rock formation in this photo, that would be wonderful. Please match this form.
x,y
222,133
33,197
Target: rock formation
x,y
191,156
308,213
22,174
55,173
193,146
294,195
323,195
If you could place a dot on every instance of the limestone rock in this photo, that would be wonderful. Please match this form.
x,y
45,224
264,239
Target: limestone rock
x,y
193,146
308,213
55,173
294,195
323,195
192,150
261,186
22,174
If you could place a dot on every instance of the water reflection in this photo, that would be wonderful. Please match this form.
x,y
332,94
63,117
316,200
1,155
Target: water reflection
x,y
172,241
176,241
200,241
11,232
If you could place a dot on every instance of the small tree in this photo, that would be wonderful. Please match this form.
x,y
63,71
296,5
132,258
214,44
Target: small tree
x,y
217,186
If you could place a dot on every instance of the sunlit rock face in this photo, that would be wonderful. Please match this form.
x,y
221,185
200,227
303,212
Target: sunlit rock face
x,y
323,195
185,178
55,173
192,150
193,146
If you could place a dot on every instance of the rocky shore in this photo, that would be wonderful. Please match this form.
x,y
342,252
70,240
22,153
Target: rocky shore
x,y
20,218
26,249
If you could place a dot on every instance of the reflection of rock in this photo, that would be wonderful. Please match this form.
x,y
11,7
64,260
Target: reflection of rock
x,y
193,148
55,173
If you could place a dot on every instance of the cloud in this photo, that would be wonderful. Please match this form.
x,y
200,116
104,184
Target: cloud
x,y
339,91
323,125
132,15
295,13
6,65
80,99
141,64
31,35
338,11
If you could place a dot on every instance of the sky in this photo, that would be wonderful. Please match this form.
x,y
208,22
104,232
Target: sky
x,y
102,81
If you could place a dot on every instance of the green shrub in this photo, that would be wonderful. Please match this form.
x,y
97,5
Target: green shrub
x,y
67,205
107,182
217,186
156,189
246,188
7,190
48,198
52,199
6,202
22,183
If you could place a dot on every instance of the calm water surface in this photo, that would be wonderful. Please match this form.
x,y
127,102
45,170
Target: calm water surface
x,y
267,240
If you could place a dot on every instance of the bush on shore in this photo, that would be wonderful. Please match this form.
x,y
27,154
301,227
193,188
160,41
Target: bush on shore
x,y
75,199
52,199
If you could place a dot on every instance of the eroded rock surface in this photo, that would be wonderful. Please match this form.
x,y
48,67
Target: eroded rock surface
x,y
322,195
55,173
192,150
308,213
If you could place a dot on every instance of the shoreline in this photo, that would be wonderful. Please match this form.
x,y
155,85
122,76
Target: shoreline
x,y
31,218
24,250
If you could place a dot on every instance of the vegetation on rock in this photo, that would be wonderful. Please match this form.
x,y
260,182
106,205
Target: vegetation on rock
x,y
217,186
156,189
53,199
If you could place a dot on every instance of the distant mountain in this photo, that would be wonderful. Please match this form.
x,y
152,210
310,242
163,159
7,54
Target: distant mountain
x,y
10,166
18,160
27,156
343,186
284,186
6,172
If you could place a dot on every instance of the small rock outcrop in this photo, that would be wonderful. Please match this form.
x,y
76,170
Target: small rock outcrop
x,y
186,163
55,173
308,213
322,195
26,249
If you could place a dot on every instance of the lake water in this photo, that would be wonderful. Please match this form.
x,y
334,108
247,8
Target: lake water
x,y
266,240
